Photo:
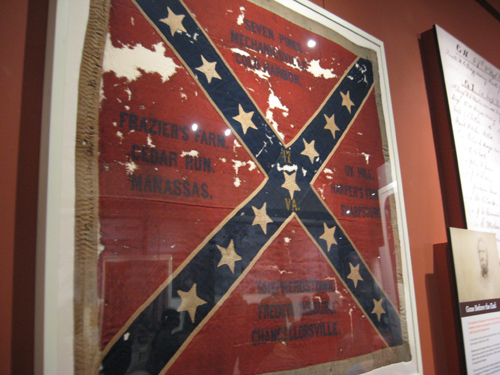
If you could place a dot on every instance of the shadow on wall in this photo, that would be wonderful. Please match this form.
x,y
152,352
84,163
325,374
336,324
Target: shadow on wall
x,y
443,315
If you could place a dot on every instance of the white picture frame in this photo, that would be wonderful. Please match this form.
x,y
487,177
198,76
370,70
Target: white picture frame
x,y
56,245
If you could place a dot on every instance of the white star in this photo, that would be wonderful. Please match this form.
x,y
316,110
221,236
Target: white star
x,y
354,275
346,101
229,256
329,236
310,151
174,21
245,119
261,217
208,68
190,302
378,309
290,183
330,125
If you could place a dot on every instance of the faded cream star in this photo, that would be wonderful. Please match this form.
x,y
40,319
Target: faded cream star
x,y
261,217
229,256
354,275
378,309
290,183
190,302
346,100
208,68
329,236
245,119
310,151
330,125
174,21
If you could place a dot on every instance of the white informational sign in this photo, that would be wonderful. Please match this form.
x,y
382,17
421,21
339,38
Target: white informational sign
x,y
473,92
477,272
482,343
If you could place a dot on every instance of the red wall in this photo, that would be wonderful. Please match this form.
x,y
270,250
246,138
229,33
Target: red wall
x,y
21,82
397,23
11,69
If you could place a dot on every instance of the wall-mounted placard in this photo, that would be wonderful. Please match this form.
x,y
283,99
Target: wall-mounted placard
x,y
477,272
473,98
238,197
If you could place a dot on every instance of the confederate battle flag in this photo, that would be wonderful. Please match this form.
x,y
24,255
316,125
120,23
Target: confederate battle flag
x,y
244,217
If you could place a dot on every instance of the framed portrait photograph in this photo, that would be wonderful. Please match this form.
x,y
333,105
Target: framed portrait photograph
x,y
477,274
